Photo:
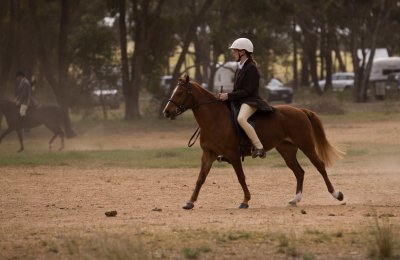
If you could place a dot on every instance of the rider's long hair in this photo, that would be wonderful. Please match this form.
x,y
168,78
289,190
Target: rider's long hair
x,y
250,56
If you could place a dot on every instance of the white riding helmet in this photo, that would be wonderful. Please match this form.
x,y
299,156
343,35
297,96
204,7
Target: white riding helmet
x,y
242,44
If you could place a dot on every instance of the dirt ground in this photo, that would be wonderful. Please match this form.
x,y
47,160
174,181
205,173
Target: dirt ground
x,y
43,205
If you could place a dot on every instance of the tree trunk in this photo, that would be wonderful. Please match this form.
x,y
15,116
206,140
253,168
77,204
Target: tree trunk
x,y
328,58
336,47
63,67
295,53
362,71
362,94
9,51
198,59
310,47
126,83
304,70
322,51
145,31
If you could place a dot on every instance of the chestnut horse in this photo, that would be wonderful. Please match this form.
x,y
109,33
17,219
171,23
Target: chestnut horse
x,y
287,129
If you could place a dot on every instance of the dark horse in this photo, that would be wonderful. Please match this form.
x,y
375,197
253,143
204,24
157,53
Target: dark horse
x,y
49,115
287,129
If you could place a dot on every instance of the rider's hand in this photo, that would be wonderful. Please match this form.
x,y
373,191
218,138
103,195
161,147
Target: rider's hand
x,y
223,96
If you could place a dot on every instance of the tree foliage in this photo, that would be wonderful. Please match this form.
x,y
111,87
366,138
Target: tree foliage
x,y
65,45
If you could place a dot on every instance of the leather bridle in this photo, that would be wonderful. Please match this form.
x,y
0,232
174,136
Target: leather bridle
x,y
181,107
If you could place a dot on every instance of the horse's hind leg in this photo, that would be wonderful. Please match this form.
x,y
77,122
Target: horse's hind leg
x,y
288,152
62,141
57,132
320,165
21,141
206,162
51,141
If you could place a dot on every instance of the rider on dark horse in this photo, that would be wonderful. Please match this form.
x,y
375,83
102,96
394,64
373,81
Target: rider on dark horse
x,y
23,95
245,91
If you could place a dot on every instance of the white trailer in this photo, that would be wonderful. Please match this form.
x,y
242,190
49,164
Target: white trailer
x,y
384,75
383,67
224,76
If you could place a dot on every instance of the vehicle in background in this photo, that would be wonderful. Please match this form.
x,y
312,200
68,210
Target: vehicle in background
x,y
224,76
106,97
341,81
165,82
277,91
385,76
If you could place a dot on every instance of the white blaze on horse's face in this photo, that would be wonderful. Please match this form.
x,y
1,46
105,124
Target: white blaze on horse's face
x,y
172,109
169,102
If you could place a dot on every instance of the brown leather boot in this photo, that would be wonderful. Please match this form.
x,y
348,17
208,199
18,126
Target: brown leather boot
x,y
258,153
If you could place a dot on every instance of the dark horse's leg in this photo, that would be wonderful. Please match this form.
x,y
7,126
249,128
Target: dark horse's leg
x,y
19,133
57,132
206,162
20,138
8,130
288,152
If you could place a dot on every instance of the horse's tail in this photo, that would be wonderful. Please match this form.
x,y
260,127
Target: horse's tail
x,y
326,151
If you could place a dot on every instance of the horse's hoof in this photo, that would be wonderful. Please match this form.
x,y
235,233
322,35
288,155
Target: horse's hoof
x,y
340,196
243,206
188,206
293,203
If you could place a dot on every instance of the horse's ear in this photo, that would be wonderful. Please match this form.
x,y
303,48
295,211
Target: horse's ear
x,y
184,78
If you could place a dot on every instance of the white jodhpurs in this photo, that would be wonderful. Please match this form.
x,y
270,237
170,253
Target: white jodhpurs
x,y
23,109
245,112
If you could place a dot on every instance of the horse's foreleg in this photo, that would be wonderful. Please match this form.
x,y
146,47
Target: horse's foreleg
x,y
206,162
51,140
6,132
237,165
320,165
21,141
62,142
288,151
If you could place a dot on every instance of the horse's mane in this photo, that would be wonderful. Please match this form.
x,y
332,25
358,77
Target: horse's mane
x,y
203,90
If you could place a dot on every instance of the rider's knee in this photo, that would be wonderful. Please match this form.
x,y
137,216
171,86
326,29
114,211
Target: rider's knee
x,y
242,120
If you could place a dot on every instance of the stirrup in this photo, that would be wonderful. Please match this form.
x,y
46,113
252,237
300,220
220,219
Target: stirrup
x,y
221,158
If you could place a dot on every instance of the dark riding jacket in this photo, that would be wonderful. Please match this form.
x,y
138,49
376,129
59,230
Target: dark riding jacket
x,y
23,93
246,85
